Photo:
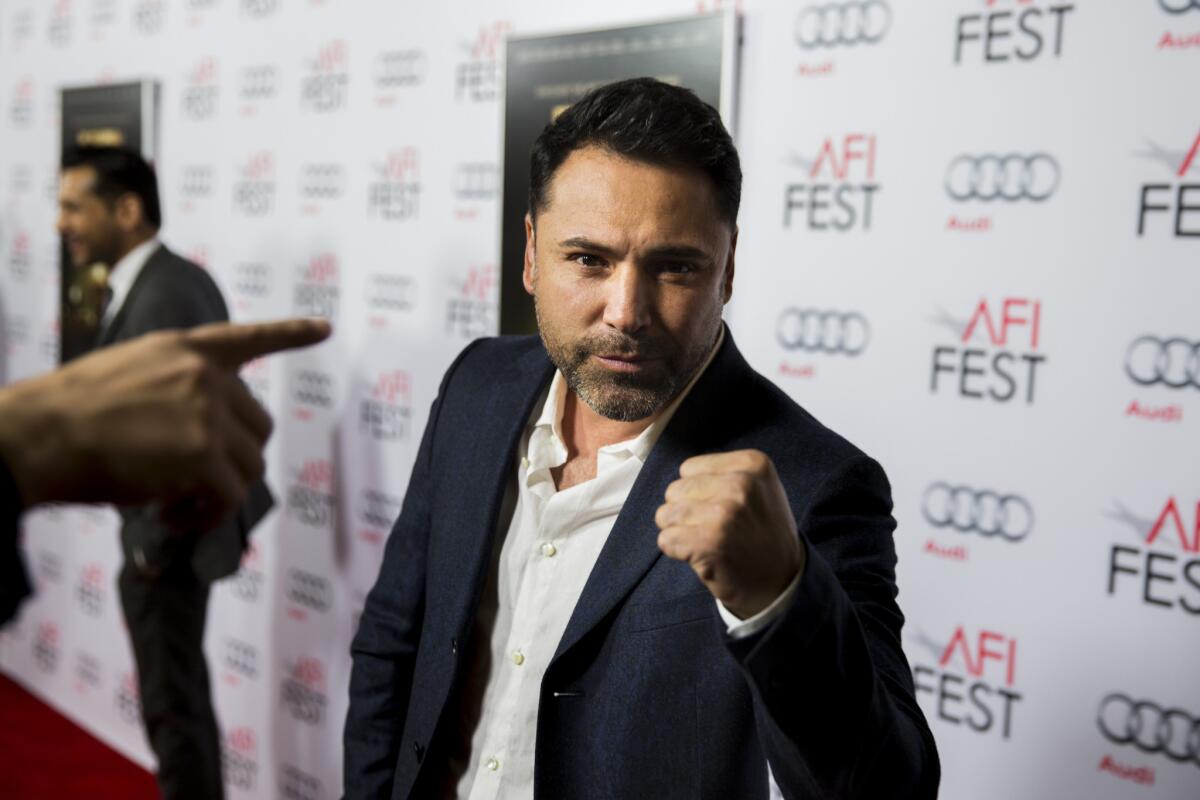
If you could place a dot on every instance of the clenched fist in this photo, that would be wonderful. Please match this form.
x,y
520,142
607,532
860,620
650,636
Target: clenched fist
x,y
728,517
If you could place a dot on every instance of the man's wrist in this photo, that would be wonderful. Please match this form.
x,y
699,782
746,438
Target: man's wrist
x,y
34,437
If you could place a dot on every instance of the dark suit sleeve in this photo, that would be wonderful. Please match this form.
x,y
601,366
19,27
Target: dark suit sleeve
x,y
14,583
384,648
833,693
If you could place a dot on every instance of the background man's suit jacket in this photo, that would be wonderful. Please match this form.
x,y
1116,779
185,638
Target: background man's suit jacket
x,y
645,696
172,292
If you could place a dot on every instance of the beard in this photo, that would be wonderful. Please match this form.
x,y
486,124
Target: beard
x,y
621,396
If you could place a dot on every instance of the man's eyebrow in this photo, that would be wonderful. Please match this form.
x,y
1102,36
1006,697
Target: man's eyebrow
x,y
683,251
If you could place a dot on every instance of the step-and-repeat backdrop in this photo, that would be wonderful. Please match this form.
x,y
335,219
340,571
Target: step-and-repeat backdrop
x,y
970,241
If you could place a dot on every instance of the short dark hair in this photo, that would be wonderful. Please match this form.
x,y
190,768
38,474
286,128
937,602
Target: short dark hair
x,y
646,120
120,171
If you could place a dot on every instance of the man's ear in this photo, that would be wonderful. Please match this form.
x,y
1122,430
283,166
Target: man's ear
x,y
128,211
530,264
729,265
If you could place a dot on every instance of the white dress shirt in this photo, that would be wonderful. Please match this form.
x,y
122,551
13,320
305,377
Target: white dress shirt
x,y
123,274
551,545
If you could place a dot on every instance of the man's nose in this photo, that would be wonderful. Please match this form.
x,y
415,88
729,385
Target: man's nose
x,y
629,301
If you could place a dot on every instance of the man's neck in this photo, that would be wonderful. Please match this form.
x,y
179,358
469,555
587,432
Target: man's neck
x,y
133,243
584,431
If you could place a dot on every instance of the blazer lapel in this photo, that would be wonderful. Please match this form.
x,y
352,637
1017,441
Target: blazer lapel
x,y
110,332
493,457
632,546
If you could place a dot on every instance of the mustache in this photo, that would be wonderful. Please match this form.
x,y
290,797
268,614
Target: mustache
x,y
622,346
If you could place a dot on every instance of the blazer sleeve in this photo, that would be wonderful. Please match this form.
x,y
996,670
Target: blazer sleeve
x,y
14,582
833,692
384,648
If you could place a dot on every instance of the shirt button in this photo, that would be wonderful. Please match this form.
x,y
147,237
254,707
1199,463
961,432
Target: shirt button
x,y
549,550
493,764
518,657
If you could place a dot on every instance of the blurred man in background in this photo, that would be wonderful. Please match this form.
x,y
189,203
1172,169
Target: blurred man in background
x,y
109,213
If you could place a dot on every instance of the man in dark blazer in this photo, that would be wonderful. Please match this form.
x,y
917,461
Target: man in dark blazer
x,y
109,213
713,568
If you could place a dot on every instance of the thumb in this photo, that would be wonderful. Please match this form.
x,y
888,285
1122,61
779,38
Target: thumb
x,y
229,346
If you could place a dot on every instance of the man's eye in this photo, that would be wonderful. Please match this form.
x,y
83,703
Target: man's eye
x,y
587,260
678,268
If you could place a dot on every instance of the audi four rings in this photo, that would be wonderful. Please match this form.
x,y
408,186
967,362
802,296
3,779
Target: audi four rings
x,y
823,331
833,24
1149,727
1179,6
1174,362
1003,176
981,511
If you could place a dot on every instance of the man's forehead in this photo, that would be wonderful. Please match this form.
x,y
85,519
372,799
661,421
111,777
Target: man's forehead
x,y
80,178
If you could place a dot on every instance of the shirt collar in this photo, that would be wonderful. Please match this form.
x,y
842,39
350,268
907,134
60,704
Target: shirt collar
x,y
125,272
547,428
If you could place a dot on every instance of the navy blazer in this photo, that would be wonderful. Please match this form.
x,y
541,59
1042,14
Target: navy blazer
x,y
646,697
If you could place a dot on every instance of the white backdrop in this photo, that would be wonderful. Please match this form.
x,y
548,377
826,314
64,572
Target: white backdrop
x,y
341,158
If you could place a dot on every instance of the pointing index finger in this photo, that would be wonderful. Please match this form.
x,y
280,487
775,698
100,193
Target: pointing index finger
x,y
229,345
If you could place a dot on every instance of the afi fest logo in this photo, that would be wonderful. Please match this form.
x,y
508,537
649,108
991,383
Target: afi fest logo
x,y
310,498
325,86
1181,12
46,646
812,332
471,307
1148,726
128,700
239,758
840,186
477,77
1163,569
998,179
254,190
247,583
90,590
377,513
200,93
20,109
316,290
997,354
149,16
1177,202
386,412
977,512
389,295
20,255
824,28
973,680
1012,31
303,691
58,30
395,187
1162,362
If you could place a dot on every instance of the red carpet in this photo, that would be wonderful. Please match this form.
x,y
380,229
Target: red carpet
x,y
44,755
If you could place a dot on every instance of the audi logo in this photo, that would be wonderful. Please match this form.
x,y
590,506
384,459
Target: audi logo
x,y
197,181
258,82
312,388
1173,362
398,68
823,331
981,511
322,181
1149,727
1179,6
1009,177
475,181
252,279
309,590
834,24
